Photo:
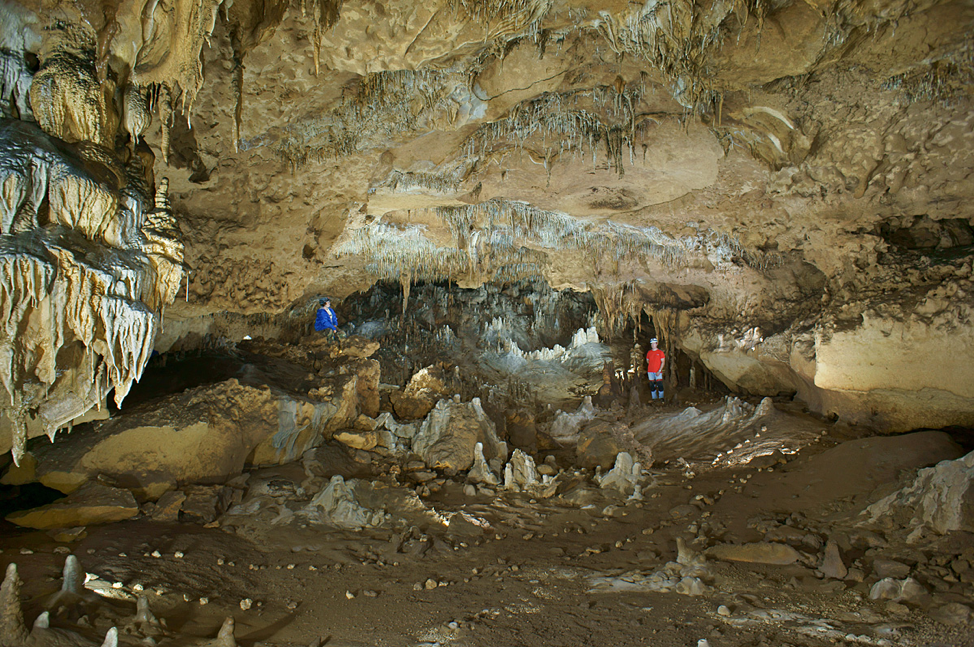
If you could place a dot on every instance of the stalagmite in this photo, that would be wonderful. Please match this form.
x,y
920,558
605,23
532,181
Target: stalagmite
x,y
481,472
520,473
225,638
111,638
144,618
73,576
13,632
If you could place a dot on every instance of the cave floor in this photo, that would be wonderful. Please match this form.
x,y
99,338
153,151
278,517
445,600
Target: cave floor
x,y
543,573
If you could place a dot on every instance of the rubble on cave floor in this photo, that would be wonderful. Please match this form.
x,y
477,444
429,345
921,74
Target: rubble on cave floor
x,y
327,516
361,546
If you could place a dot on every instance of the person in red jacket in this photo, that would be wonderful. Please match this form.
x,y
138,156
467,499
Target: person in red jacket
x,y
655,361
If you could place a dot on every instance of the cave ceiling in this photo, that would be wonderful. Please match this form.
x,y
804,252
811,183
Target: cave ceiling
x,y
767,175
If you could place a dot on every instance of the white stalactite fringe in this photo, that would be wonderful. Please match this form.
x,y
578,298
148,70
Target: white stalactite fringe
x,y
92,280
500,240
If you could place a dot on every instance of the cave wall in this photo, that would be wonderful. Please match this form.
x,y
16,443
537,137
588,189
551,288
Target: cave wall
x,y
789,180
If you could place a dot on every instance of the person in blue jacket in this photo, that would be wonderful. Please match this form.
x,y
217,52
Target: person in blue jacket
x,y
326,320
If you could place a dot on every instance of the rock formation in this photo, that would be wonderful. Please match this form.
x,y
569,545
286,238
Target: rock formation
x,y
505,199
783,196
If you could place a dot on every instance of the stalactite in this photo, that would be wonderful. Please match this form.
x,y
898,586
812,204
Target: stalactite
x,y
164,102
237,87
91,283
384,105
15,80
406,280
563,124
324,13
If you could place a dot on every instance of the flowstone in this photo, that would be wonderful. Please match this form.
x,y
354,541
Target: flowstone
x,y
941,499
624,475
87,262
447,437
336,505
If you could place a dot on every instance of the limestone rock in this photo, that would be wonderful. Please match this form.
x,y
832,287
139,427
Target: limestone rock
x,y
204,504
411,408
598,446
624,475
906,590
832,564
206,434
363,440
888,568
89,505
758,553
26,472
168,506
676,435
427,387
952,613
447,438
941,498
336,505
520,473
465,526
565,426
692,586
480,472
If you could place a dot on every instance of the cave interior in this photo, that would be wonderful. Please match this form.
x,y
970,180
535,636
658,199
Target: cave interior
x,y
512,206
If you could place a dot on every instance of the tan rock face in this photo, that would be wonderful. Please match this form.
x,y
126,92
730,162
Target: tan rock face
x,y
211,433
91,504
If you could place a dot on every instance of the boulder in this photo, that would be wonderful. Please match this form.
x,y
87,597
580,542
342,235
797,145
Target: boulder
x,y
756,553
167,507
364,440
624,475
832,564
884,568
89,505
425,389
204,435
204,504
410,408
447,438
597,445
941,499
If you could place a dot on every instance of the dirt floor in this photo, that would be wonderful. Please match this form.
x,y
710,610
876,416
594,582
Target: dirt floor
x,y
582,567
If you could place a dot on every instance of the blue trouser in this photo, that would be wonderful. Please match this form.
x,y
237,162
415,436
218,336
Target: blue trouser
x,y
656,385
